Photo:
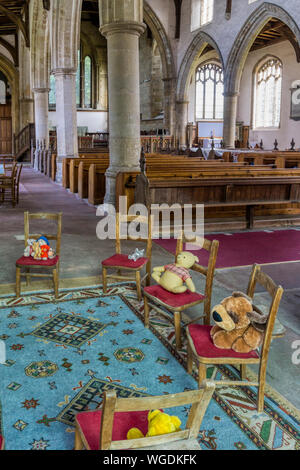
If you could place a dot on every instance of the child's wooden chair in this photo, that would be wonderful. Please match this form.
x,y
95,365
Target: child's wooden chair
x,y
120,262
177,303
203,351
29,263
106,429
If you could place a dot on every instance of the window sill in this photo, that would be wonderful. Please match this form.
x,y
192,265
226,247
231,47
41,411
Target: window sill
x,y
260,129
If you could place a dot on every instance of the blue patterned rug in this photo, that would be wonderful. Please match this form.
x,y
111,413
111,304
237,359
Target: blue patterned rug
x,y
62,355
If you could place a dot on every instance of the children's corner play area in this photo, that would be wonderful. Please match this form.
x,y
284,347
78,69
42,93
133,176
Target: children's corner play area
x,y
167,348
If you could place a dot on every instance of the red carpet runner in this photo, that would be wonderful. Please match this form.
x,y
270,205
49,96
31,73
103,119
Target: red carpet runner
x,y
247,248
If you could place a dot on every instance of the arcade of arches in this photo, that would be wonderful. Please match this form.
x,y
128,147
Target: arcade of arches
x,y
207,90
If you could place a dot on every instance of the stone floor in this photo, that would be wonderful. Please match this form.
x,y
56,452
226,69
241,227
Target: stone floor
x,y
82,253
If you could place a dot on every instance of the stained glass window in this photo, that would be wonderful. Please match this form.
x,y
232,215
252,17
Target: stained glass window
x,y
52,93
267,103
209,91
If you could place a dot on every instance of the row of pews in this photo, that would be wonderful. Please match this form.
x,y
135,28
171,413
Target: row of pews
x,y
253,186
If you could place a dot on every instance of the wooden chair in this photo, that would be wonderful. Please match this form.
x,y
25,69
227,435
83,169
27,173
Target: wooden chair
x,y
29,263
177,303
107,428
17,182
202,350
8,183
120,262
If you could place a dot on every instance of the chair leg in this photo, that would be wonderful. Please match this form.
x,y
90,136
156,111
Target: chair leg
x,y
261,387
201,373
189,359
177,321
138,284
146,312
104,280
18,282
78,441
55,282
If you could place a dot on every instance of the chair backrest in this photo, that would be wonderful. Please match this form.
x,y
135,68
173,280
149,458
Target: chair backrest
x,y
212,248
199,399
145,225
56,217
18,175
258,276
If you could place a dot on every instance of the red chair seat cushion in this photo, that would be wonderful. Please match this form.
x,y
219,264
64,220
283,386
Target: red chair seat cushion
x,y
205,347
173,300
124,262
1,442
90,421
29,261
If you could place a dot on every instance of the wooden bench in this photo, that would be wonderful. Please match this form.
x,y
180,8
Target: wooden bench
x,y
249,188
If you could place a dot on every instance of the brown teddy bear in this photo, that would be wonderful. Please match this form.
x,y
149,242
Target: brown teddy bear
x,y
238,326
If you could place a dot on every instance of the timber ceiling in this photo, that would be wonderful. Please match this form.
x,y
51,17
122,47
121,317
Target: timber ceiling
x,y
273,33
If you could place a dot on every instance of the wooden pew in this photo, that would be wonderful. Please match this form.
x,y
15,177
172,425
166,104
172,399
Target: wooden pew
x,y
245,188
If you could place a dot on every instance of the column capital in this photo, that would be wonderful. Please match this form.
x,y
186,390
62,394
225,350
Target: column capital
x,y
64,71
230,94
41,90
183,102
126,27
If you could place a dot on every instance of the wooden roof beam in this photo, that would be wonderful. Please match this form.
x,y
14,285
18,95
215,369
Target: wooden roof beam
x,y
17,20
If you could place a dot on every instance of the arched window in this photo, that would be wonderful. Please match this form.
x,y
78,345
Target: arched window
x,y
267,100
4,89
88,82
209,91
52,93
83,83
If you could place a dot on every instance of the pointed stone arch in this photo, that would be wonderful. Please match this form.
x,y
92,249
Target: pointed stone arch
x,y
12,75
162,40
40,45
191,57
246,37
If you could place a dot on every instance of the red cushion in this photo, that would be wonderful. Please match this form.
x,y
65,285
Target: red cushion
x,y
1,442
205,347
173,300
123,261
29,261
90,421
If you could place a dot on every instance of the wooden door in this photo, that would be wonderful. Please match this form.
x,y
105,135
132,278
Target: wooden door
x,y
5,129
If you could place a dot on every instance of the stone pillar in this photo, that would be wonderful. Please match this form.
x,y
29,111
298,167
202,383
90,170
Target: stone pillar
x,y
122,26
169,104
41,106
66,117
230,112
182,119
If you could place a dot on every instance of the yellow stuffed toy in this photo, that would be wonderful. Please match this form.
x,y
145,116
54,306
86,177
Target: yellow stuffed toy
x,y
172,277
158,423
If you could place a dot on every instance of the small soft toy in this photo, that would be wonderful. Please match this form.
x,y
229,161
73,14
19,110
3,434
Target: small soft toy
x,y
39,249
173,276
136,255
158,423
238,326
29,248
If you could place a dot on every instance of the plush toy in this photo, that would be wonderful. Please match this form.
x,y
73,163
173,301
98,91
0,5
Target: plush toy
x,y
136,255
39,249
238,326
29,248
158,423
173,276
